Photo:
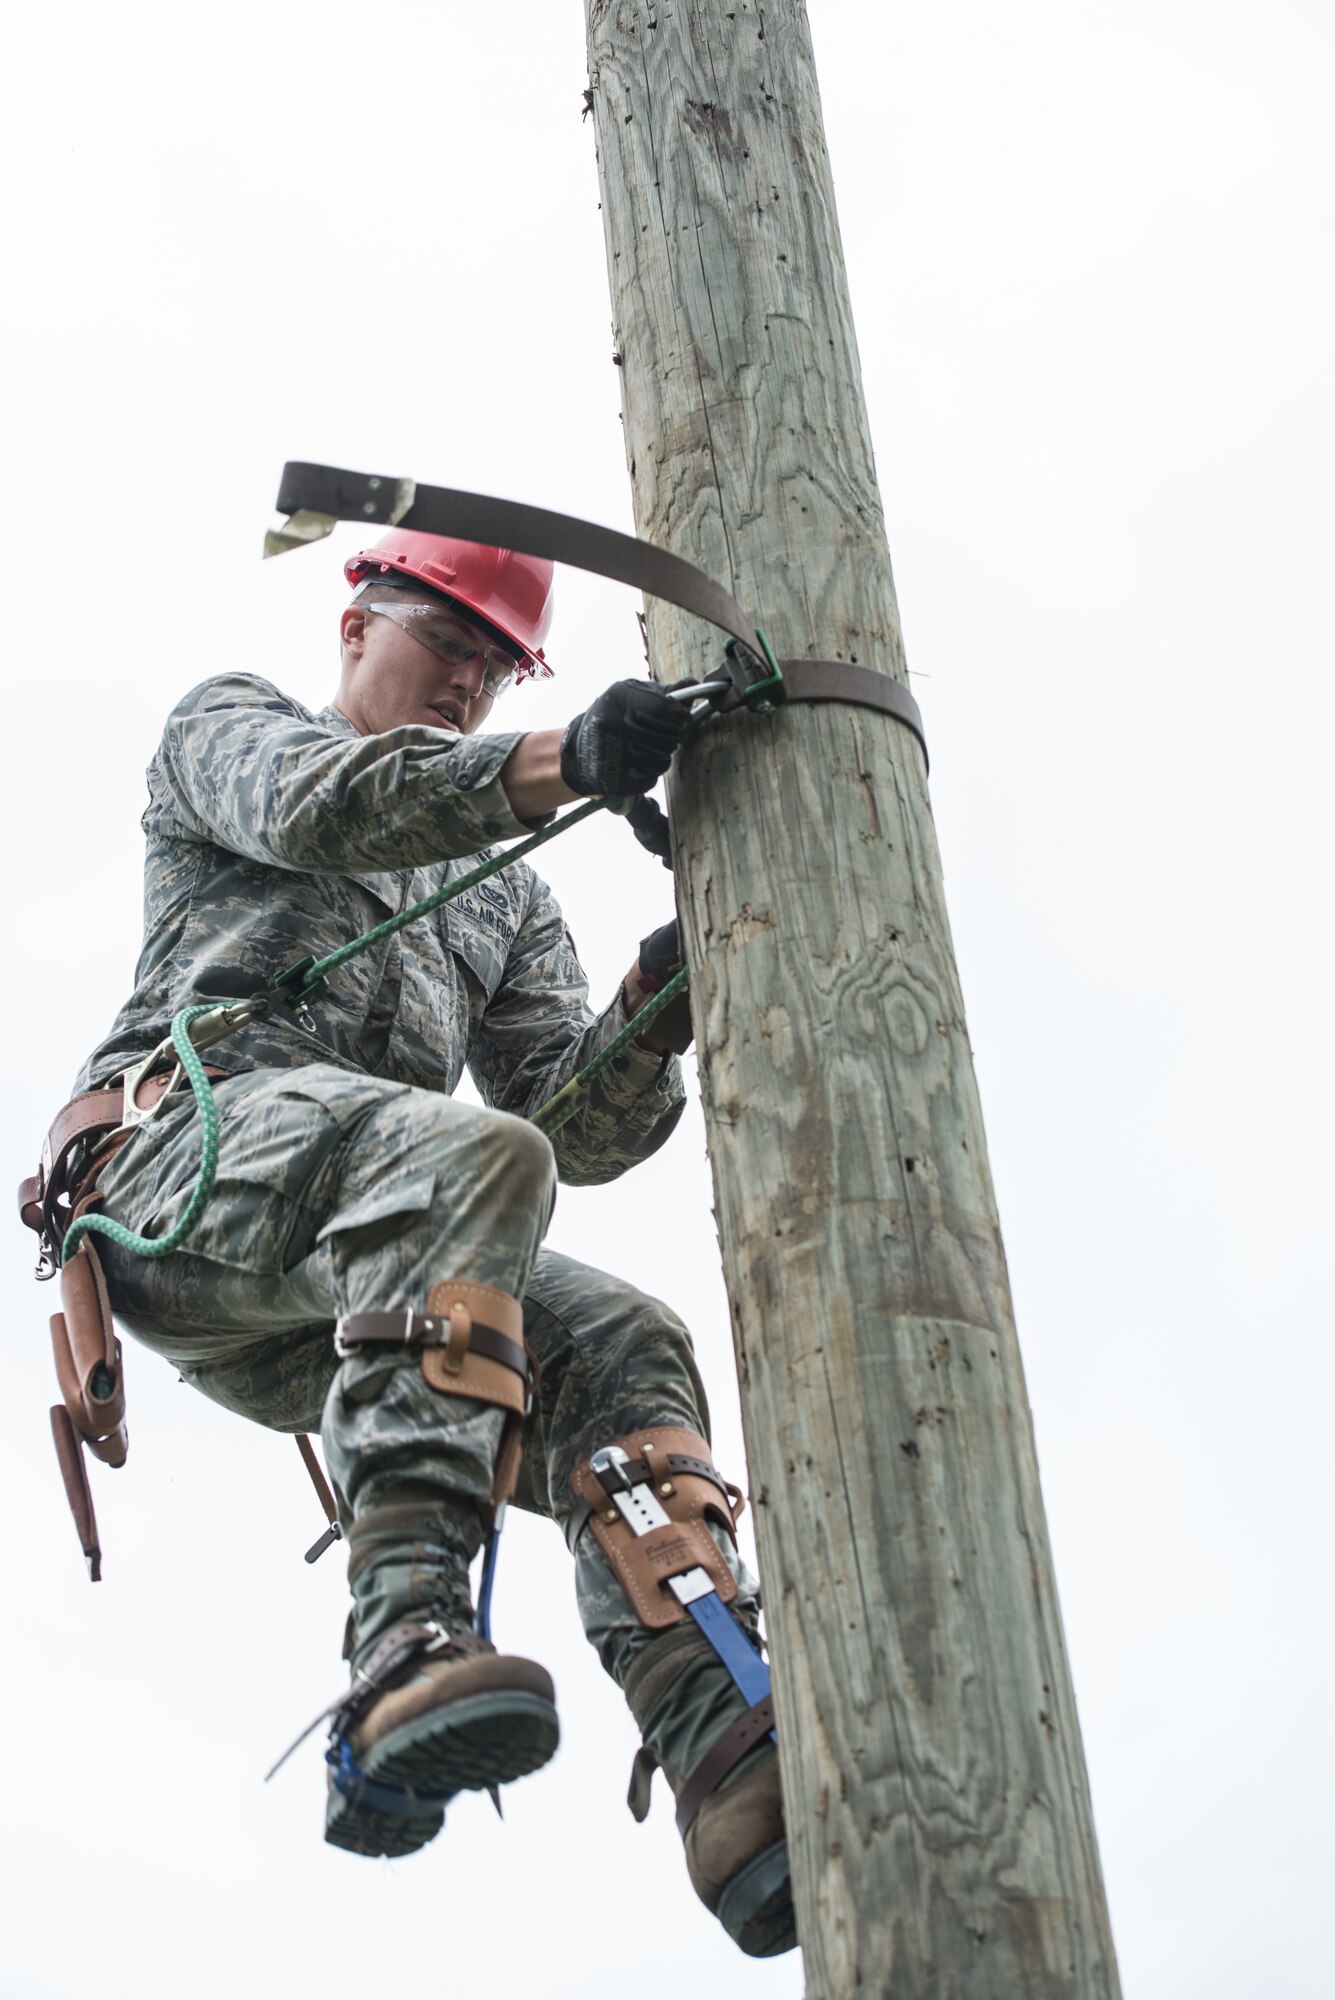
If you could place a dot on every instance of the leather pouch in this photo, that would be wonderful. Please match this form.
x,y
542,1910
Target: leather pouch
x,y
457,1368
88,1357
476,1312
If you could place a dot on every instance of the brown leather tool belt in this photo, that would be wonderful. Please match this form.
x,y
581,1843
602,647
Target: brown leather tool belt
x,y
86,1133
91,1121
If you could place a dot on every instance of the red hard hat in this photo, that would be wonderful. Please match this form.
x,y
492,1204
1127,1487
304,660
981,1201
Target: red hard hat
x,y
511,592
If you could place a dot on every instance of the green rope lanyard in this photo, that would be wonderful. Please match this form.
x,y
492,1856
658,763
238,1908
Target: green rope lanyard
x,y
301,984
552,1115
307,978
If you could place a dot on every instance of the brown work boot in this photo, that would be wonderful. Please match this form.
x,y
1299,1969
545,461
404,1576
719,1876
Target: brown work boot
x,y
729,1807
737,1856
429,1715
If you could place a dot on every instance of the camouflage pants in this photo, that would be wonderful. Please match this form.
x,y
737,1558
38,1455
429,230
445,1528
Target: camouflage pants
x,y
338,1193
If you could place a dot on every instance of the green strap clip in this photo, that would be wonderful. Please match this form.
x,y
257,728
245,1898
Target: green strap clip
x,y
296,989
757,677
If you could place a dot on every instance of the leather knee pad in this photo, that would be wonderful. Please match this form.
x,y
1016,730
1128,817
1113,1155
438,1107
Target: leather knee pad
x,y
469,1343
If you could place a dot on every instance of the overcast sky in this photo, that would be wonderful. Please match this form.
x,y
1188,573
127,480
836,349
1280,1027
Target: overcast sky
x,y
1090,258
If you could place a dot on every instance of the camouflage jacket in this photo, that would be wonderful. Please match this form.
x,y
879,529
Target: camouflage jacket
x,y
274,834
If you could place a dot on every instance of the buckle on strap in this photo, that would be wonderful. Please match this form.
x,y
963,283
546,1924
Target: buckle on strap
x,y
402,1327
415,1332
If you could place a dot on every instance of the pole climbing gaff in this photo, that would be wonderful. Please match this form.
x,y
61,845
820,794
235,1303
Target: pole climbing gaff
x,y
694,1589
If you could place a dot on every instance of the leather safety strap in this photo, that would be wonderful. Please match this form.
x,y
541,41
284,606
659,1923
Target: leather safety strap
x,y
858,687
328,493
724,1754
367,498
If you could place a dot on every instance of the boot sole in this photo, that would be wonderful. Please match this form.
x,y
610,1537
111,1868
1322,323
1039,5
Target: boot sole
x,y
468,1745
460,1747
361,1829
756,1908
463,1746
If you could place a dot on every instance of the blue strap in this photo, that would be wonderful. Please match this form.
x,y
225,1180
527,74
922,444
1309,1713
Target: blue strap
x,y
482,1622
733,1647
364,1791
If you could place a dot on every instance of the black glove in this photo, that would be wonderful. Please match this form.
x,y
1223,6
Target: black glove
x,y
624,742
649,823
660,956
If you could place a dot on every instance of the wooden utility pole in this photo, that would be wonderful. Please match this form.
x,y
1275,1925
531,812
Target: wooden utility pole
x,y
938,1807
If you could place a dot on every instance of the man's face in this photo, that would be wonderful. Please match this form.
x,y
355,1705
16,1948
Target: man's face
x,y
417,659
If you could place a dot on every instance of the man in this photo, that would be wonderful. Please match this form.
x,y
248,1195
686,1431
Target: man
x,y
370,1257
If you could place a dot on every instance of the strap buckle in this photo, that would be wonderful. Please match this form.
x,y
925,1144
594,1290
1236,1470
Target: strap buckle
x,y
416,1332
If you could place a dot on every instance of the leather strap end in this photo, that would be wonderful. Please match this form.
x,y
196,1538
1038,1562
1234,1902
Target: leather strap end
x,y
30,1202
323,1491
641,1783
508,1461
456,1345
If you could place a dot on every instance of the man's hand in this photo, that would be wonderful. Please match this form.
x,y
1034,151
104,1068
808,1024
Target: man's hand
x,y
649,823
623,742
660,957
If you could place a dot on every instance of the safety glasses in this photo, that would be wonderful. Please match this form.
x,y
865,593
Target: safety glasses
x,y
443,635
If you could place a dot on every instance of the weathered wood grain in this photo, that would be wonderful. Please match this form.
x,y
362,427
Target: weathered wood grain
x,y
939,1812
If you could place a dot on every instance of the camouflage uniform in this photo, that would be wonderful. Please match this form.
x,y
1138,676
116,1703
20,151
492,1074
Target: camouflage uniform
x,y
348,1180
